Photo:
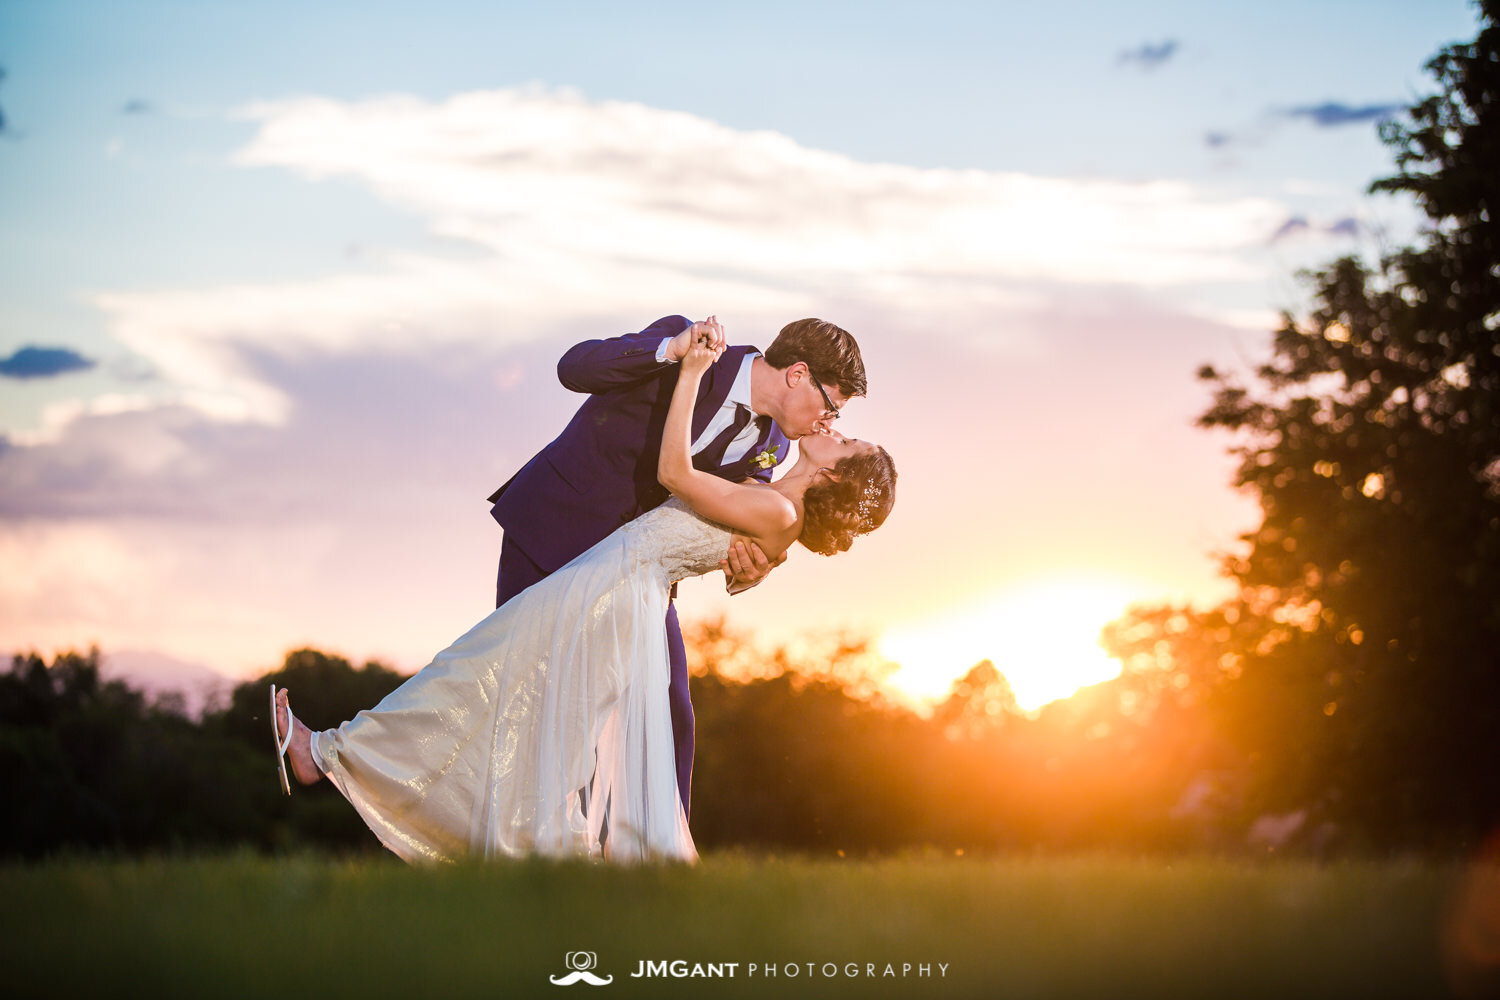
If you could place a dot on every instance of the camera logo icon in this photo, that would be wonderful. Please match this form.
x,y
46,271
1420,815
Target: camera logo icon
x,y
581,965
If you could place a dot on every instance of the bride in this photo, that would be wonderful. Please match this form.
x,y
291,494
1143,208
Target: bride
x,y
546,728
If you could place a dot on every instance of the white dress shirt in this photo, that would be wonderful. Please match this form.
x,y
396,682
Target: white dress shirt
x,y
739,395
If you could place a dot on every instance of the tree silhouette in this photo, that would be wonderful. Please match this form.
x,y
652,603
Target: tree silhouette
x,y
1364,640
980,700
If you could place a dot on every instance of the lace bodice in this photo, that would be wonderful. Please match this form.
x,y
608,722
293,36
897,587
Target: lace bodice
x,y
677,540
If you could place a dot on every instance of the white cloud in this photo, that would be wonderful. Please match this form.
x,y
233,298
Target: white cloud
x,y
61,414
1244,320
533,170
586,210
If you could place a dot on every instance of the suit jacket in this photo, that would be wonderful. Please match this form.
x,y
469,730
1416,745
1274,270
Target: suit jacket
x,y
600,472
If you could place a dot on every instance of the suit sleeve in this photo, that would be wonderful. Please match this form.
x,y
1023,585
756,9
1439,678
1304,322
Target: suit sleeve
x,y
602,365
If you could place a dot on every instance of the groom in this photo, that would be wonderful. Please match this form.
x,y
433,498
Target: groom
x,y
600,472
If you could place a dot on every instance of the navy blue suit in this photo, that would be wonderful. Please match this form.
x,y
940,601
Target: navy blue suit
x,y
600,473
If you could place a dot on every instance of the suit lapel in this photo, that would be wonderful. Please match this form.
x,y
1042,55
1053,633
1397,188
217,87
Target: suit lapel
x,y
714,389
711,457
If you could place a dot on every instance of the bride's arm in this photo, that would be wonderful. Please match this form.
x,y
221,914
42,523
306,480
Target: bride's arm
x,y
763,514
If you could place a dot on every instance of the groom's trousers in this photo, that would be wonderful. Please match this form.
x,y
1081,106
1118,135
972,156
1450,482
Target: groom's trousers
x,y
517,572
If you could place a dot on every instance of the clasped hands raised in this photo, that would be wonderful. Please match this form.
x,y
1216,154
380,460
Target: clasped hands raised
x,y
696,349
706,336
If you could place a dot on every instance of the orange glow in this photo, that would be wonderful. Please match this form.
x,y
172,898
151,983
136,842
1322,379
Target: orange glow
x,y
1042,635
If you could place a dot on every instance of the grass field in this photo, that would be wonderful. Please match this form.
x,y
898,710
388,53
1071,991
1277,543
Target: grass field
x,y
310,928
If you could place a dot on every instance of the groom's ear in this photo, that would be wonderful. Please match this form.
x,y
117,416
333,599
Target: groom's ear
x,y
795,373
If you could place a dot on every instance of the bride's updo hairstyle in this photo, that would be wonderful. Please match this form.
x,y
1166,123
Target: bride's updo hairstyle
x,y
834,512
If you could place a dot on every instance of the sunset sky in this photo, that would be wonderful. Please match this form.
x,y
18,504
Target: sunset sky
x,y
282,286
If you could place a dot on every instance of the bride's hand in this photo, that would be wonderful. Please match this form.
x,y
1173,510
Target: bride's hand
x,y
700,358
705,348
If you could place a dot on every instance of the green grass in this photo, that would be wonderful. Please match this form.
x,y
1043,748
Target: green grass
x,y
313,928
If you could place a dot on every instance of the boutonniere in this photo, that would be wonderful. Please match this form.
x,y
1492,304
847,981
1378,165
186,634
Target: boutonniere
x,y
768,458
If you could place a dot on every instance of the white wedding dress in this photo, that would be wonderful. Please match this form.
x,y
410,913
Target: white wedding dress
x,y
558,696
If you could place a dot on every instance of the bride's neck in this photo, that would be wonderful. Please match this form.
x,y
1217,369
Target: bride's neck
x,y
796,481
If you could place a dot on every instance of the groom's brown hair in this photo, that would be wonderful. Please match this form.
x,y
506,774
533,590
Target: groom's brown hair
x,y
829,352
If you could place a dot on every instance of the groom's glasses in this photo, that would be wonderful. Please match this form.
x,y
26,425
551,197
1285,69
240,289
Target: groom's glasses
x,y
832,412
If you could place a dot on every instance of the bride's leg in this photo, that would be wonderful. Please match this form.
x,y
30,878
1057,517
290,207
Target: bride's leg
x,y
300,751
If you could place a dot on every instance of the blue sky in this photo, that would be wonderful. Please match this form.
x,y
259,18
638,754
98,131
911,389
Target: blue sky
x,y
322,255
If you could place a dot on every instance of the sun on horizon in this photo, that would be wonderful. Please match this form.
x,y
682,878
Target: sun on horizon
x,y
1042,635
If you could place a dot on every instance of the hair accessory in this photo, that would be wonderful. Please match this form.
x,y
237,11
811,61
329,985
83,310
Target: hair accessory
x,y
869,501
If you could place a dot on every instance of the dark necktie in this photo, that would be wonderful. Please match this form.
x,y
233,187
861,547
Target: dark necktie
x,y
712,457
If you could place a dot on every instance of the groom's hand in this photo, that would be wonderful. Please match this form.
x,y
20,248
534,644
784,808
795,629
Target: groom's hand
x,y
746,565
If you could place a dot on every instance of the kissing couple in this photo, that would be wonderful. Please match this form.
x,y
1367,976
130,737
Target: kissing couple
x,y
561,723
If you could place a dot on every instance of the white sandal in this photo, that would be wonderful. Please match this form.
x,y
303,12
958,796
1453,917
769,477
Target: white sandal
x,y
281,744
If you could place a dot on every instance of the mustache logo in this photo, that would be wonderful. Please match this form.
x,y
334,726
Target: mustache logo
x,y
587,977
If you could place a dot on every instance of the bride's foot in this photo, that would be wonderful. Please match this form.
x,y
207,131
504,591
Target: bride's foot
x,y
299,753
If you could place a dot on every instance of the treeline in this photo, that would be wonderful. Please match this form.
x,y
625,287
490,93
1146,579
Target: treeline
x,y
802,758
798,760
89,764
